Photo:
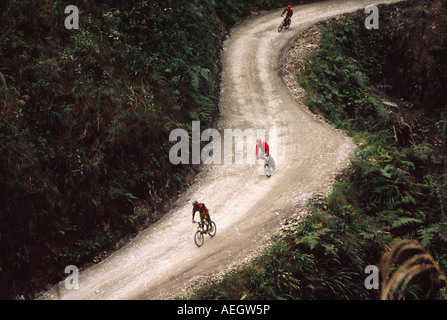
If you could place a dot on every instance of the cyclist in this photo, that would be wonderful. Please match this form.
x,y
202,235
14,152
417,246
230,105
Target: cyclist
x,y
263,148
289,11
203,212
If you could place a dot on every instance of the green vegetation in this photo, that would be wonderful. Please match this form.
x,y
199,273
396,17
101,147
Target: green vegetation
x,y
85,121
398,175
85,117
397,189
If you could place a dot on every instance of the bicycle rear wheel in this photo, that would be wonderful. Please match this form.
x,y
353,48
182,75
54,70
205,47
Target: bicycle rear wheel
x,y
199,238
212,229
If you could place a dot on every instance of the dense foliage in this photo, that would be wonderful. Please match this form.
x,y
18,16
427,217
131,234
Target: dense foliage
x,y
399,174
398,187
85,117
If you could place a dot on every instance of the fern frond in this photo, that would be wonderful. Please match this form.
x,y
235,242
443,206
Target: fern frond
x,y
405,222
427,235
436,231
311,240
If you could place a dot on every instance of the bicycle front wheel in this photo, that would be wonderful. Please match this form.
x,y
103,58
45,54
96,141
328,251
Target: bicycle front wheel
x,y
268,170
199,238
280,26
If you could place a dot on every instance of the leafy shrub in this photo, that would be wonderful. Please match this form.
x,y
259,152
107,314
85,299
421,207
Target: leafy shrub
x,y
85,117
395,191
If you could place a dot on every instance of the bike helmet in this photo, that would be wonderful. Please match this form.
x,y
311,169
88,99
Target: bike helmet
x,y
195,203
289,6
258,140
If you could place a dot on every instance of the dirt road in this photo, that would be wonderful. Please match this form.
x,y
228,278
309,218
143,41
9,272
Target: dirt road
x,y
248,208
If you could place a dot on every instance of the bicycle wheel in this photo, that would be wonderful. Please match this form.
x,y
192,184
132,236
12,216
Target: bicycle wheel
x,y
280,26
212,229
287,24
268,170
199,238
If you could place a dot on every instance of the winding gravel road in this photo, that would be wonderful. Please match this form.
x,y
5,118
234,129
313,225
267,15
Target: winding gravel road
x,y
247,207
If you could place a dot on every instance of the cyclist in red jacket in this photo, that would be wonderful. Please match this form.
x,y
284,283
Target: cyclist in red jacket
x,y
262,148
203,211
289,11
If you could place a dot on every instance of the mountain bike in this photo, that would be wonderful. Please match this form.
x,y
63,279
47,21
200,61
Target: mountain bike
x,y
204,227
285,24
268,165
